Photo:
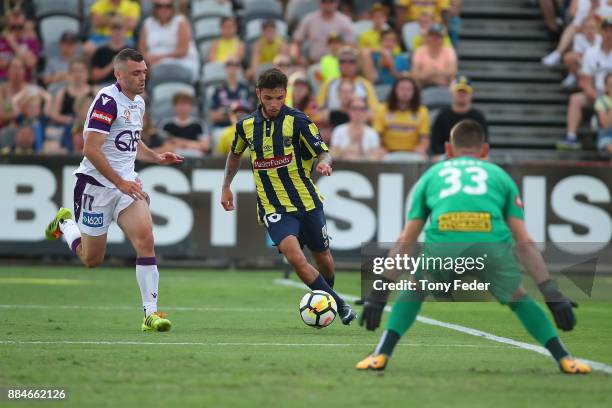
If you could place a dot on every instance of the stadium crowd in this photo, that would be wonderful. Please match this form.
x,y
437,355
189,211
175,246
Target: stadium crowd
x,y
584,48
379,79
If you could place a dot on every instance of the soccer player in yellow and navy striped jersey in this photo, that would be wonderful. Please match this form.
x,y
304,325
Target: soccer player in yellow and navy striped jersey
x,y
283,145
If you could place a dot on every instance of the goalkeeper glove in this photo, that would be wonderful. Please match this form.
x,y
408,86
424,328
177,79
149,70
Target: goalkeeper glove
x,y
560,306
373,306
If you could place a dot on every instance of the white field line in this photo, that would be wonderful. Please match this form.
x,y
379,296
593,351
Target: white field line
x,y
136,307
467,330
203,343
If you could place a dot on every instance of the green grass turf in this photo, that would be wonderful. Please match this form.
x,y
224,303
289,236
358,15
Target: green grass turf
x,y
247,326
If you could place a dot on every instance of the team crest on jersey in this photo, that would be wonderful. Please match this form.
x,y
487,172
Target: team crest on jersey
x,y
287,141
126,115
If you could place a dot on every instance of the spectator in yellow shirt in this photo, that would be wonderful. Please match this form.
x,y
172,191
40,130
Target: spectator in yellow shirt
x,y
229,44
103,11
266,48
402,121
329,66
410,10
370,39
237,111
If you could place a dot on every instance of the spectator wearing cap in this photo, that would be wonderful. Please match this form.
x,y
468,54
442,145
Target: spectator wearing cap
x,y
461,108
402,121
24,142
425,21
316,28
266,48
434,63
64,106
187,134
603,107
232,90
596,63
329,66
165,37
587,37
355,140
229,44
384,66
236,112
102,70
105,12
349,70
370,38
26,7
409,10
55,74
16,43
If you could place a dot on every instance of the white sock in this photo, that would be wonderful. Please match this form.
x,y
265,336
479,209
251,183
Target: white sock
x,y
148,281
71,232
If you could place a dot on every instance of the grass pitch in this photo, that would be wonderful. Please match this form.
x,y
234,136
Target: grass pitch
x,y
238,341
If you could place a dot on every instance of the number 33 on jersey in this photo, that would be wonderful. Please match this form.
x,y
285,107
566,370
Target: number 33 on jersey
x,y
468,200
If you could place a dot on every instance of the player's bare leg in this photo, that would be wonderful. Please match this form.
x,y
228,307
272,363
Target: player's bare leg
x,y
91,250
536,322
325,265
137,224
290,247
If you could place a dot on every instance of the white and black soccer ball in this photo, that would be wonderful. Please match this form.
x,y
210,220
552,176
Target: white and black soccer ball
x,y
318,309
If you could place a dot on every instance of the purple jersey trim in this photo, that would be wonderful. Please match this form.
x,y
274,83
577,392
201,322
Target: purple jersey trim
x,y
103,113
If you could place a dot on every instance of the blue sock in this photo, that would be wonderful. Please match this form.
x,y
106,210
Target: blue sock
x,y
330,281
320,284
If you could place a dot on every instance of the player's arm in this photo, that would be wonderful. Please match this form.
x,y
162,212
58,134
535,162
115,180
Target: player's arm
x,y
324,163
560,306
145,154
232,165
93,151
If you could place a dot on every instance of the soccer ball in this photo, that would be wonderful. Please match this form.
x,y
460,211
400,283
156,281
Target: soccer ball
x,y
318,309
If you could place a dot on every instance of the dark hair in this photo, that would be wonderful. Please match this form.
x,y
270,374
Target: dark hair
x,y
128,54
387,32
415,102
182,97
467,134
78,60
271,79
226,18
302,104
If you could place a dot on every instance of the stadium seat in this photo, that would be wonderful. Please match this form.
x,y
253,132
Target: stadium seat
x,y
382,91
207,93
164,92
361,26
169,72
262,9
52,27
210,8
436,97
203,47
253,29
207,29
213,73
297,9
56,7
409,32
161,112
86,6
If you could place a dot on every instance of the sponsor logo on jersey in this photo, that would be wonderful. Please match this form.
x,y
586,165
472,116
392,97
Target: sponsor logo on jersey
x,y
465,222
273,163
94,220
102,117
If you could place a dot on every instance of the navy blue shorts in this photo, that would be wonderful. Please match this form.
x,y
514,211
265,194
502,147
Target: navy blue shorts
x,y
308,226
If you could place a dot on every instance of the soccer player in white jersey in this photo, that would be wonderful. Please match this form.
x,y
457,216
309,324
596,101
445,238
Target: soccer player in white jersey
x,y
108,188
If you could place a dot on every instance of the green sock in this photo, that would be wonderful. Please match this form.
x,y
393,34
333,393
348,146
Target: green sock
x,y
537,323
404,313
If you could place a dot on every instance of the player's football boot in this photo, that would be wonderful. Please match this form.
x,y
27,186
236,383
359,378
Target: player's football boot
x,y
571,365
373,362
53,230
347,315
156,321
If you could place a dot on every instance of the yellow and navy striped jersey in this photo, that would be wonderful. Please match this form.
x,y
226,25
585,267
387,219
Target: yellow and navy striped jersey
x,y
282,152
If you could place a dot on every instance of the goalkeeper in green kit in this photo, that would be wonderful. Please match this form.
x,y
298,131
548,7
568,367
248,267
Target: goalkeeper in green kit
x,y
472,204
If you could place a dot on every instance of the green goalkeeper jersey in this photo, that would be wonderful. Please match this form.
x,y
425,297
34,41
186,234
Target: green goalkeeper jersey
x,y
468,200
